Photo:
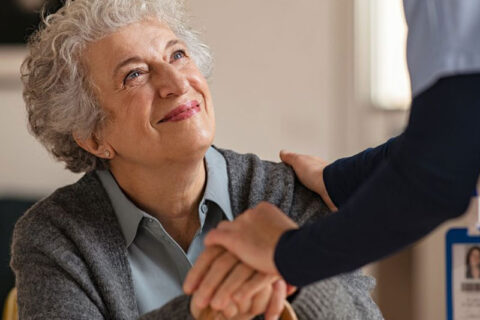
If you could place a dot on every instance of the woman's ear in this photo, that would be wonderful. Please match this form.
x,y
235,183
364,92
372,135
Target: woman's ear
x,y
94,146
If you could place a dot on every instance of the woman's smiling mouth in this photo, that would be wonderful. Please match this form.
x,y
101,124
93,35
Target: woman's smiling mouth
x,y
182,112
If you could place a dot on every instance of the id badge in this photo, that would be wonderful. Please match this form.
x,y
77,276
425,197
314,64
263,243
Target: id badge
x,y
463,275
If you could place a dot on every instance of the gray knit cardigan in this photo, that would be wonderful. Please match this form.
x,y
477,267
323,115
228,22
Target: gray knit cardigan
x,y
70,257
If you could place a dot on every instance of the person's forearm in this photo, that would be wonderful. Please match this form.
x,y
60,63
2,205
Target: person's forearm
x,y
344,176
428,179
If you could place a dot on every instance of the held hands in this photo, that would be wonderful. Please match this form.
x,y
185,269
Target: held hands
x,y
232,289
240,290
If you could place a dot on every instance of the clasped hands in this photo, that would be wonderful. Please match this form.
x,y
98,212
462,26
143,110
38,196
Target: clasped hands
x,y
236,275
240,289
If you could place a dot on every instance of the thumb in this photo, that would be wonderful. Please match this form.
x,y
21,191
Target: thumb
x,y
291,289
288,157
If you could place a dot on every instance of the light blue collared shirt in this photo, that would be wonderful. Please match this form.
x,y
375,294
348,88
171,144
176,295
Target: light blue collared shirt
x,y
159,265
443,39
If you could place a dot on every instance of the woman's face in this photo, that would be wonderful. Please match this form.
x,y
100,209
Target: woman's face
x,y
474,259
159,104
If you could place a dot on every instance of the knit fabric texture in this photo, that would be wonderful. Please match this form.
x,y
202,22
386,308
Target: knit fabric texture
x,y
70,258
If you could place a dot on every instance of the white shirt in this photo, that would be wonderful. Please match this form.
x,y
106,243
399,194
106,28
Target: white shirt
x,y
443,39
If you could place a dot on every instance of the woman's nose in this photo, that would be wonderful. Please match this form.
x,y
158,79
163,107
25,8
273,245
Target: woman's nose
x,y
170,81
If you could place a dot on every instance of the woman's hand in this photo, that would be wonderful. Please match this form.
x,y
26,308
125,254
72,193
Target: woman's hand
x,y
232,289
309,170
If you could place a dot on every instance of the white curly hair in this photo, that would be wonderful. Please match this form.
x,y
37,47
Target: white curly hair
x,y
58,94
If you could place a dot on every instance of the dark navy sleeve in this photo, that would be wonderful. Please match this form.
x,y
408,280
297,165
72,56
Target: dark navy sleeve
x,y
344,176
428,177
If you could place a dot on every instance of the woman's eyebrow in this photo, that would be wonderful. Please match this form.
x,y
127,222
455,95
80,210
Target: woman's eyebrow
x,y
124,63
174,42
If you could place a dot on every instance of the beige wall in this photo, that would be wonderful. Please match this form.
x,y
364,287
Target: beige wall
x,y
271,78
25,167
284,78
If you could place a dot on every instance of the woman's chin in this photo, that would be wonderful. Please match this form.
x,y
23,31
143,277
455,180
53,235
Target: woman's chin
x,y
191,147
195,137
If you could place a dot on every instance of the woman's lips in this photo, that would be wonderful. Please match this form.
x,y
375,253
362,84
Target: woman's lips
x,y
182,112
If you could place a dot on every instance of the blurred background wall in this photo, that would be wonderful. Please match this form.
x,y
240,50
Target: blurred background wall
x,y
288,74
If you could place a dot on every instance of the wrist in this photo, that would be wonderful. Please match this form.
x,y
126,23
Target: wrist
x,y
283,262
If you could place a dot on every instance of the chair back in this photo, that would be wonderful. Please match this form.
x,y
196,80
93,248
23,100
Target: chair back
x,y
10,210
10,310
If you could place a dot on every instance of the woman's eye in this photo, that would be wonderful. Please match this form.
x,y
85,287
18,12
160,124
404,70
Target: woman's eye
x,y
132,75
179,54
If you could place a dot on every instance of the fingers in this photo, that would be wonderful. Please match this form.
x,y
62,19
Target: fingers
x,y
309,169
252,298
244,306
252,294
268,300
291,289
275,306
253,286
202,265
235,279
222,265
288,157
261,300
292,157
256,305
230,311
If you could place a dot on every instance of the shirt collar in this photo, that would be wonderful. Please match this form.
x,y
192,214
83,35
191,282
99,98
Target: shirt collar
x,y
216,189
130,216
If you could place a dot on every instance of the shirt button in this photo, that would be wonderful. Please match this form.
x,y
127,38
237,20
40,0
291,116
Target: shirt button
x,y
204,208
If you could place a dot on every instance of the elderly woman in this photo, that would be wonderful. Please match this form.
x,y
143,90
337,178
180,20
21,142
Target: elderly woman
x,y
117,89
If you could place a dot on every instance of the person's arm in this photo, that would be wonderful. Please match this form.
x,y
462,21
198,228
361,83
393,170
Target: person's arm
x,y
428,179
337,181
345,176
